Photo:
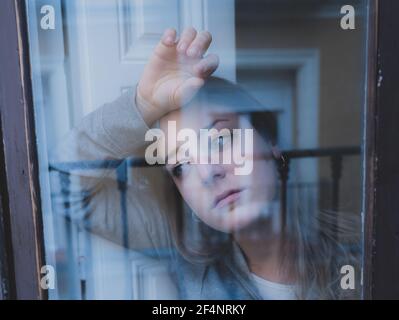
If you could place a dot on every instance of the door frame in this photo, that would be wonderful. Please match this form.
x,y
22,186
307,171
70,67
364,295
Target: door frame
x,y
305,63
21,207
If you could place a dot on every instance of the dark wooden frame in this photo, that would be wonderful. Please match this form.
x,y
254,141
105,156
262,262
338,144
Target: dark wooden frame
x,y
382,156
20,210
370,150
7,280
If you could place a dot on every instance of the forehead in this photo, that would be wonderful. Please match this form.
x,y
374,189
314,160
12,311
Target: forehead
x,y
197,118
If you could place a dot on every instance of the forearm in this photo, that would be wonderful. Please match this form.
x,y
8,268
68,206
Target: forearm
x,y
115,130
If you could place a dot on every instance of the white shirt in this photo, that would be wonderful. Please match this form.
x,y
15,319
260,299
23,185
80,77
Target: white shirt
x,y
273,290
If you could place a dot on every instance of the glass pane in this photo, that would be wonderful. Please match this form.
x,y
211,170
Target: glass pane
x,y
200,149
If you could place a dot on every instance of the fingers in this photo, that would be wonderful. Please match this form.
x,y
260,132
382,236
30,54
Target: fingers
x,y
200,45
194,44
169,37
167,46
191,43
206,66
186,39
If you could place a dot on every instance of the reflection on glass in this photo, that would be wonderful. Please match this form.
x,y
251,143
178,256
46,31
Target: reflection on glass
x,y
193,151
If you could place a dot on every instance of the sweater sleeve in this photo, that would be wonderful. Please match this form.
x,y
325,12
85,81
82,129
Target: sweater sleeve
x,y
92,185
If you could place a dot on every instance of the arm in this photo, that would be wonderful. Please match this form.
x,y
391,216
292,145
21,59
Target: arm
x,y
174,73
116,130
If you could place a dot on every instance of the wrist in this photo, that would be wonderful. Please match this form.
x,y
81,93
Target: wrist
x,y
149,112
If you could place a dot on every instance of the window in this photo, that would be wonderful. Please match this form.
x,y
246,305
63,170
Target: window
x,y
290,76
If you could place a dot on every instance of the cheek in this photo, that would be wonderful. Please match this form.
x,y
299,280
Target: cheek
x,y
265,178
192,195
198,200
265,171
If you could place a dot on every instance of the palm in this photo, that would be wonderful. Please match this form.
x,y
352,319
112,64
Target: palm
x,y
171,78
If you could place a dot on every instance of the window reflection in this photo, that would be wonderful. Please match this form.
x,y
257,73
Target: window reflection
x,y
119,226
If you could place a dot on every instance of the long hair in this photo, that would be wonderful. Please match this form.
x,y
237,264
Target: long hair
x,y
322,246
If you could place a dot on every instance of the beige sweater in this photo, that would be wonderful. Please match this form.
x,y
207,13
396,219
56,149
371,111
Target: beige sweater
x,y
114,131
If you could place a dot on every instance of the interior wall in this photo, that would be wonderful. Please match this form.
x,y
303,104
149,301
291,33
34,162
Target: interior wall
x,y
342,70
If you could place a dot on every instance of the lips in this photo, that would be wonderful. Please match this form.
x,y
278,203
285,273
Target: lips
x,y
227,198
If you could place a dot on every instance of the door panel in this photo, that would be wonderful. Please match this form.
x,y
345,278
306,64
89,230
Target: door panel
x,y
118,36
109,42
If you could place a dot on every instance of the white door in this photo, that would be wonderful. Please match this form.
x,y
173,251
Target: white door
x,y
109,42
275,90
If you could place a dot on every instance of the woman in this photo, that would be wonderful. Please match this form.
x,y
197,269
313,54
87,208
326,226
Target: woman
x,y
230,239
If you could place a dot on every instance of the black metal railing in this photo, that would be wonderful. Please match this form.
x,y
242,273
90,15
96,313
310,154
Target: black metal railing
x,y
120,167
335,155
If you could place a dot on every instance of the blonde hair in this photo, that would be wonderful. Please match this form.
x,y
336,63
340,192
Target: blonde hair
x,y
323,244
324,241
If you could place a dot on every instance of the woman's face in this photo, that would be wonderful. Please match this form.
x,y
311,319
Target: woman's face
x,y
223,200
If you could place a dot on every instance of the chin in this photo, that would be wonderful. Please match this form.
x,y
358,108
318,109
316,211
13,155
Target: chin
x,y
238,218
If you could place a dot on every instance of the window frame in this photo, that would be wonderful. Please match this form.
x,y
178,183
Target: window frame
x,y
381,237
20,210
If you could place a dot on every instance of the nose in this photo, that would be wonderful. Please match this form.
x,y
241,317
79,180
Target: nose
x,y
210,173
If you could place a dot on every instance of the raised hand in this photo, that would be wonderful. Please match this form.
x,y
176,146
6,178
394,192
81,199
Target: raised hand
x,y
174,73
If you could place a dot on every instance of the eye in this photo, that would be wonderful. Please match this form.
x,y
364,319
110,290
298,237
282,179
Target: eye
x,y
179,170
220,142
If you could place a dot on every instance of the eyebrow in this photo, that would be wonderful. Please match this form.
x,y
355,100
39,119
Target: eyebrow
x,y
207,128
215,122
